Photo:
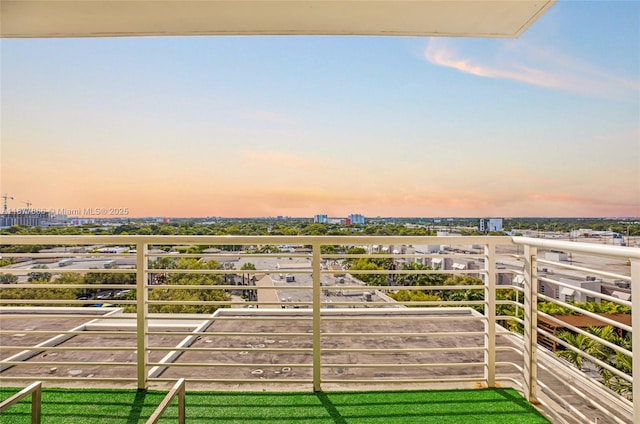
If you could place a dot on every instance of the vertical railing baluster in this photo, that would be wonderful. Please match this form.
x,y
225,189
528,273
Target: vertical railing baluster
x,y
317,356
490,314
635,343
142,296
36,404
181,402
530,323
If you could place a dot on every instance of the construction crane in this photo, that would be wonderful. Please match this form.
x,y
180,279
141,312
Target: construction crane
x,y
28,203
5,198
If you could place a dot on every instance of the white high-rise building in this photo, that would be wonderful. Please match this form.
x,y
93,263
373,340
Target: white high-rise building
x,y
491,224
495,224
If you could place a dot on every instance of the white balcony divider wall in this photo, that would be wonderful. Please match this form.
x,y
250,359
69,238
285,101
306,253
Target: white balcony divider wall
x,y
325,330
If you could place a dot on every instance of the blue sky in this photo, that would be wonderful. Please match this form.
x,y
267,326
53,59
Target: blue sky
x,y
544,125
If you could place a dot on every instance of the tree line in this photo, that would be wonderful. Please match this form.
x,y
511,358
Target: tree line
x,y
189,298
296,227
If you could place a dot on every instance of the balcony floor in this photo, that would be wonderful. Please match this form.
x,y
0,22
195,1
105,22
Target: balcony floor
x,y
442,406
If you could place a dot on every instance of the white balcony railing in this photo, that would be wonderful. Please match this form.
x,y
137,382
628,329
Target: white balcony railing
x,y
325,315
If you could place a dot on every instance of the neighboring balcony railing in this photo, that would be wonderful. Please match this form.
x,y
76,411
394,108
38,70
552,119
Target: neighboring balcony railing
x,y
333,312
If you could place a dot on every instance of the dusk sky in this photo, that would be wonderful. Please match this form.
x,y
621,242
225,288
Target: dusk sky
x,y
544,125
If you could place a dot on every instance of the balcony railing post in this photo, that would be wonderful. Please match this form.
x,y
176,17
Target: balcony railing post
x,y
530,323
36,404
635,323
490,314
142,315
181,403
317,356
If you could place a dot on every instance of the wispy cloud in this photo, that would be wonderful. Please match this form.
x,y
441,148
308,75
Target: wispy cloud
x,y
530,65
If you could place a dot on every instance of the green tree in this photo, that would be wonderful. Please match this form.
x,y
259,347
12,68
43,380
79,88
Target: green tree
x,y
552,308
578,341
413,296
419,279
191,292
327,249
612,357
510,309
364,264
39,276
248,266
461,294
314,230
354,251
8,278
6,261
43,293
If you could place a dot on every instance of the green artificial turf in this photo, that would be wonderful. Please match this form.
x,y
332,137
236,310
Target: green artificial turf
x,y
478,406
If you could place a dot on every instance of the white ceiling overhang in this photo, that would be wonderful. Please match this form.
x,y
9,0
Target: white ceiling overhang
x,y
121,18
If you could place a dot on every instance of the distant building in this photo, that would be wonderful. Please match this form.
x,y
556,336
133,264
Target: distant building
x,y
489,225
81,221
320,219
556,256
297,266
582,232
27,218
425,249
356,219
568,294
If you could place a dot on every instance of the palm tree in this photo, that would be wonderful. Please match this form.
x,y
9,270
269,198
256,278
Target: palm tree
x,y
598,350
553,308
619,360
625,364
580,342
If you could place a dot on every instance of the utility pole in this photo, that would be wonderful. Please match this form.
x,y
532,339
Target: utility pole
x,y
5,198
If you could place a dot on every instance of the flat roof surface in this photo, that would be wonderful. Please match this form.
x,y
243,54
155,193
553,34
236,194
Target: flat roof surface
x,y
270,333
282,330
